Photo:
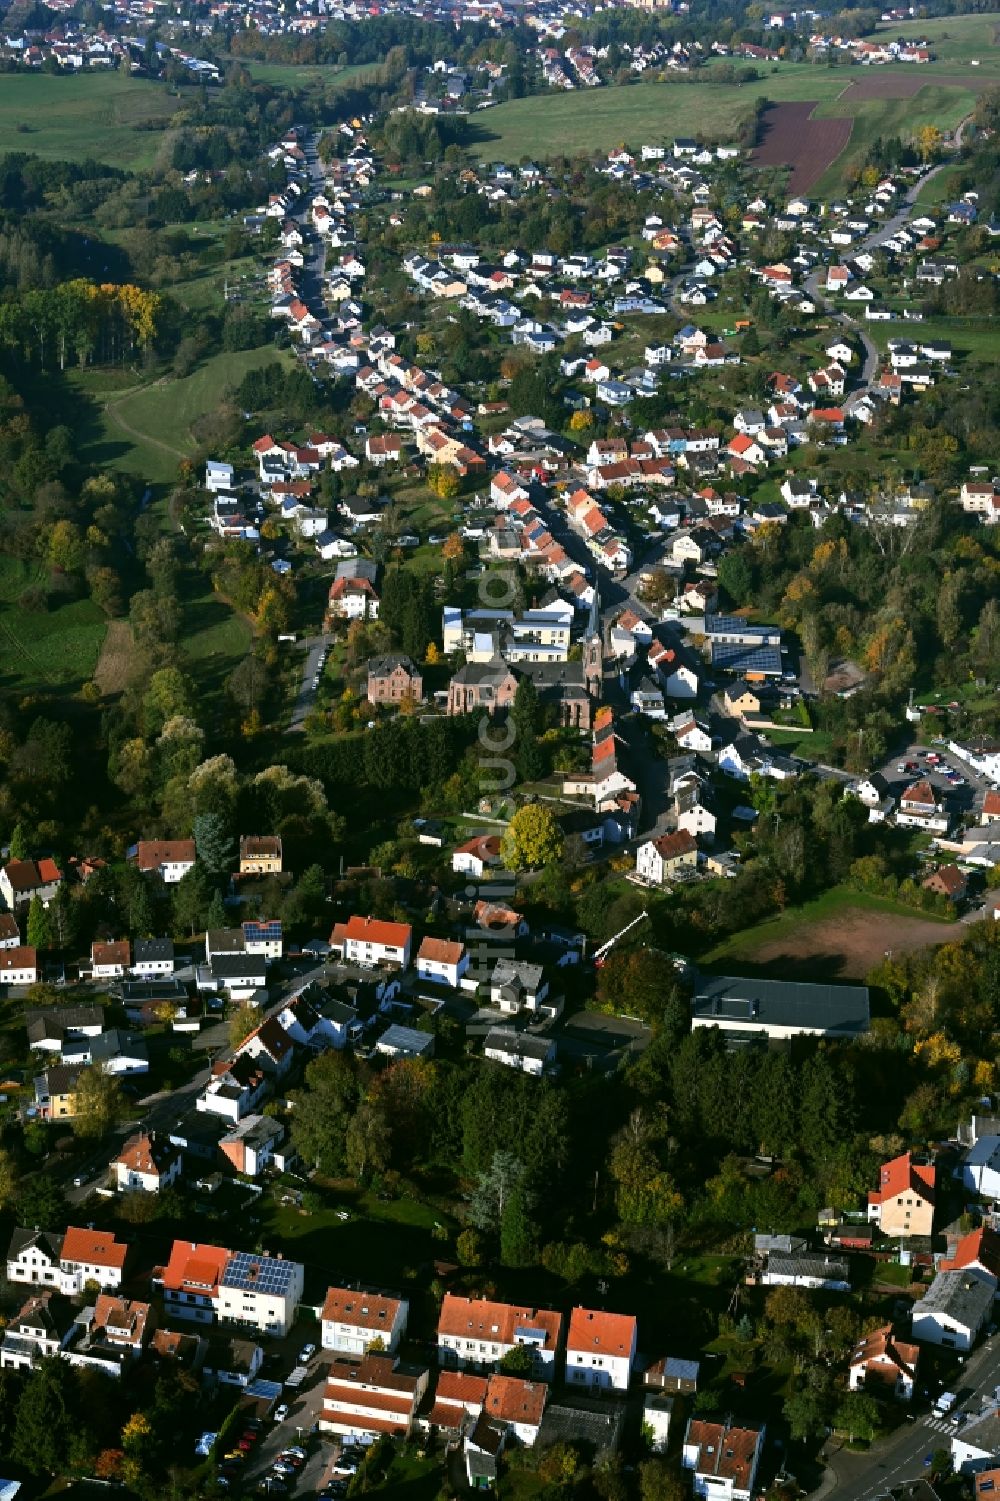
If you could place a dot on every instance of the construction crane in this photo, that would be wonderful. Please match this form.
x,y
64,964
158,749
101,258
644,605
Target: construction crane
x,y
600,954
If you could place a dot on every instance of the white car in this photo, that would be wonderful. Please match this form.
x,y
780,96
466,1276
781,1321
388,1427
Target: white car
x,y
281,1412
306,1354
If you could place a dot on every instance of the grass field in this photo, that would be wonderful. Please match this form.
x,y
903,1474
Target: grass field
x,y
975,341
145,429
955,39
547,125
96,115
841,935
56,648
294,75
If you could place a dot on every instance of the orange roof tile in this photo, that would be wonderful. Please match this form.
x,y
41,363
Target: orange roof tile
x,y
612,1333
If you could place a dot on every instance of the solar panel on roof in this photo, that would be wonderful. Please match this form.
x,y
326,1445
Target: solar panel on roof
x,y
732,657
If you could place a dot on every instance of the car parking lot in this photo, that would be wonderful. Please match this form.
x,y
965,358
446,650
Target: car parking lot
x,y
945,772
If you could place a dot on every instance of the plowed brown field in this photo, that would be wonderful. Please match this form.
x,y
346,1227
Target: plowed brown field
x,y
791,138
879,85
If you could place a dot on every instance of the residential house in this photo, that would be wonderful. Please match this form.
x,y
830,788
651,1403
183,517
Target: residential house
x,y
152,958
442,961
190,1280
250,1146
920,807
476,855
600,1349
170,859
517,1405
903,1203
518,985
147,1162
370,942
20,880
45,1326
394,679
354,1320
981,1167
723,1459
953,1310
671,857
110,960
947,881
55,1092
231,1361
365,1398
10,934
260,1292
260,854
884,1364
520,1050
18,966
477,1333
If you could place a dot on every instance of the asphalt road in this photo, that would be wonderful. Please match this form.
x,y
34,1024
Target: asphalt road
x,y
861,1477
316,648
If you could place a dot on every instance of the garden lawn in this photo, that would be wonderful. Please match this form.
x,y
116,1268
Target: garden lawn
x,y
94,116
387,1242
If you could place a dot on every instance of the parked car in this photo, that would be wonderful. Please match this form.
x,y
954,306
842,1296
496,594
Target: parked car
x,y
306,1354
281,1412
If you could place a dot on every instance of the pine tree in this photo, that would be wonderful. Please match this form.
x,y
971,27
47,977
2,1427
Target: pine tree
x,y
39,925
19,843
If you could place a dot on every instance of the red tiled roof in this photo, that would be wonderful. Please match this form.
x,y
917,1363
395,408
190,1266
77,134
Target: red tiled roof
x,y
670,846
723,1451
612,1333
24,957
111,953
364,1310
480,1319
94,1247
152,853
440,951
515,1401
195,1267
903,1175
370,930
979,1248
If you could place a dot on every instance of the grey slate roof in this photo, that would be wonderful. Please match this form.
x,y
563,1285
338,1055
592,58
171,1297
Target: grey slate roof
x,y
839,1010
960,1295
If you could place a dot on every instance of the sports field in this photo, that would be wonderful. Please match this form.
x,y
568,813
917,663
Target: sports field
x,y
842,935
104,116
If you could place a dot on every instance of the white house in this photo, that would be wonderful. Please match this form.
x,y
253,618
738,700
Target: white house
x,y
477,1333
152,958
953,1310
723,1460
170,859
530,1055
600,1349
66,1262
669,857
442,962
260,1292
367,941
354,1320
881,1363
148,1163
218,477
18,966
981,1168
